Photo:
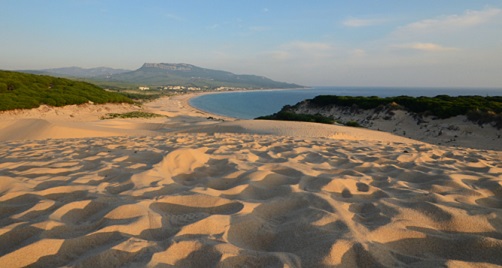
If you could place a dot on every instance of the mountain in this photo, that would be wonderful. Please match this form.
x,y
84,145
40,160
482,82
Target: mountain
x,y
163,74
78,72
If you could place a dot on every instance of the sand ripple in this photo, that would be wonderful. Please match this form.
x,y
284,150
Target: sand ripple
x,y
241,200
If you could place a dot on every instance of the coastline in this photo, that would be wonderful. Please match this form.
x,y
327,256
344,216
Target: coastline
x,y
214,115
239,91
180,116
188,191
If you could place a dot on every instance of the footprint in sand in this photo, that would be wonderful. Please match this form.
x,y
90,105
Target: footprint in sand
x,y
369,215
362,187
186,219
188,209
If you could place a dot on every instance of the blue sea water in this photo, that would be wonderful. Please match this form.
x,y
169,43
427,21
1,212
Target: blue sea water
x,y
251,104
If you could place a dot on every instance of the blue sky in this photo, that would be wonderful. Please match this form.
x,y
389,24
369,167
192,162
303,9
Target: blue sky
x,y
451,43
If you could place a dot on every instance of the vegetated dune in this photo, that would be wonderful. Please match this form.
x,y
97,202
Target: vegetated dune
x,y
233,200
448,126
452,131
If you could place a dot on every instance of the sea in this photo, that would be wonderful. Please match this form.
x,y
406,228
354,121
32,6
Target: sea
x,y
255,103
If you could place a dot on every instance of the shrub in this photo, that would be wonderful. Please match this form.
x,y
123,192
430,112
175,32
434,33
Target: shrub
x,y
352,124
477,108
290,116
136,114
25,91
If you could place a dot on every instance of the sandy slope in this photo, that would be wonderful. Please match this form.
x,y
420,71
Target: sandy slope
x,y
235,200
185,191
454,131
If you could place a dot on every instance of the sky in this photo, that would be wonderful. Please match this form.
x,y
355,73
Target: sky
x,y
424,43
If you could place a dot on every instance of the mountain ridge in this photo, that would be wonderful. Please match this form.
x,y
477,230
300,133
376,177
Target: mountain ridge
x,y
165,74
183,74
78,72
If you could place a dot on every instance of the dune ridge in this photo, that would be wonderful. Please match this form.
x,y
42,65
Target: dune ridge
x,y
227,200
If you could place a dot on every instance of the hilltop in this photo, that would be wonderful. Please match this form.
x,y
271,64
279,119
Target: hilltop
x,y
26,91
165,74
181,74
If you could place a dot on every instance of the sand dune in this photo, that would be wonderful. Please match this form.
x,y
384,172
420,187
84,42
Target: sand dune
x,y
233,200
185,191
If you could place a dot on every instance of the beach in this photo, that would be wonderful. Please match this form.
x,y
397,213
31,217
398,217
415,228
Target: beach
x,y
193,189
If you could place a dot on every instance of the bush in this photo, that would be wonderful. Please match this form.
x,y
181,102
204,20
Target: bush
x,y
25,91
290,116
441,106
136,114
477,108
352,124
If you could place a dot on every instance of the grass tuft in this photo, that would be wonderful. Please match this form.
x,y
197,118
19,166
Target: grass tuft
x,y
136,114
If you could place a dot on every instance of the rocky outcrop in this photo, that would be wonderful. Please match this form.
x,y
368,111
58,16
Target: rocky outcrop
x,y
169,66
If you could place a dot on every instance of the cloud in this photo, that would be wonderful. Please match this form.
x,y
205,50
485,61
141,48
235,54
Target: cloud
x,y
353,22
470,18
427,47
469,30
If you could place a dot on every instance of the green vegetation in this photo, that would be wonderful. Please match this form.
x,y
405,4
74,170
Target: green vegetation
x,y
291,116
285,115
136,114
441,106
478,109
26,91
352,124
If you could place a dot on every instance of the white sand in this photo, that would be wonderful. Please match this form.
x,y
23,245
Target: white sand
x,y
185,191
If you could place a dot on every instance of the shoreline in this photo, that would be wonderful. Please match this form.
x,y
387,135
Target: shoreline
x,y
84,121
453,132
185,191
237,91
180,105
195,95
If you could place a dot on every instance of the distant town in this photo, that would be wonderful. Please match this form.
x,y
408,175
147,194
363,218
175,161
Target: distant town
x,y
187,88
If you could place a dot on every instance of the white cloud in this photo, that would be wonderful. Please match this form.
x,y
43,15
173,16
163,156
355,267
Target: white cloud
x,y
469,31
428,47
354,22
452,22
